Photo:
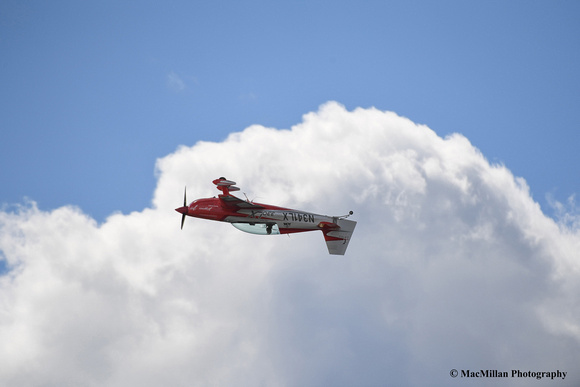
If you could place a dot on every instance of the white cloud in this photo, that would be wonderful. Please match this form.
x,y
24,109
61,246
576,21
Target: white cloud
x,y
175,82
452,265
567,214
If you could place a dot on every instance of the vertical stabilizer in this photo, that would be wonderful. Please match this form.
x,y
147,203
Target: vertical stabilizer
x,y
337,240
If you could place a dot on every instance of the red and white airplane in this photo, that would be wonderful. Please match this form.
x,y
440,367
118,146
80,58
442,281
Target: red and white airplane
x,y
264,219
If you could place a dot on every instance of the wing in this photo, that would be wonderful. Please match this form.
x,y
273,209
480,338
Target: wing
x,y
231,201
235,203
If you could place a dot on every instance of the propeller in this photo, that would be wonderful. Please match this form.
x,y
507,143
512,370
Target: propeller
x,y
183,210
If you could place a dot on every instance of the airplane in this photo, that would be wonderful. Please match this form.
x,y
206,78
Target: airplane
x,y
265,219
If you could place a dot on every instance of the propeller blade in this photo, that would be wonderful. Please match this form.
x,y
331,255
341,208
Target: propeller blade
x,y
183,210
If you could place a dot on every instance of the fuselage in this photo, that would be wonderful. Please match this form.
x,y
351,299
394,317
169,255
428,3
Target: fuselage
x,y
264,219
284,220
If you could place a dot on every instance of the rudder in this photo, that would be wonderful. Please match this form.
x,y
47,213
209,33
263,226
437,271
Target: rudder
x,y
337,240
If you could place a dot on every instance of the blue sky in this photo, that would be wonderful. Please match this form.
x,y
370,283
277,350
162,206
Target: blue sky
x,y
94,92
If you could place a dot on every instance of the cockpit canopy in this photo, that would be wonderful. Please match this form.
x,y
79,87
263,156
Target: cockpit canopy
x,y
258,228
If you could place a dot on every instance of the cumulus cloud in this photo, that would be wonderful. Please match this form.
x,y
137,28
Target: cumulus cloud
x,y
567,214
452,265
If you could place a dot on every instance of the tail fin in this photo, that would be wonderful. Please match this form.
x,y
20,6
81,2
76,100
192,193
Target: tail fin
x,y
337,238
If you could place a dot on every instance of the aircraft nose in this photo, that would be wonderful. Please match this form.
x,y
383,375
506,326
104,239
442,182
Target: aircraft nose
x,y
182,210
